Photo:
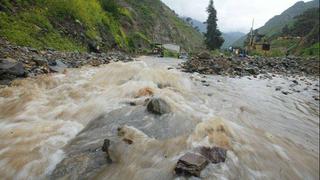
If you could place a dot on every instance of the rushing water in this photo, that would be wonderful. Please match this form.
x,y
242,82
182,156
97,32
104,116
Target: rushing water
x,y
269,135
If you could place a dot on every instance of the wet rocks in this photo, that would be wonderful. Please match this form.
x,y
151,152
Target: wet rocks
x,y
191,164
58,66
317,98
29,62
278,88
40,61
105,146
285,92
158,106
214,155
252,66
252,71
204,55
11,67
295,82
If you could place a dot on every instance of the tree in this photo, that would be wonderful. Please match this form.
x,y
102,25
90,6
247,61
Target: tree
x,y
213,37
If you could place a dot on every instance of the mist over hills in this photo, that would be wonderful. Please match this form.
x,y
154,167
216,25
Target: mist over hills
x,y
229,37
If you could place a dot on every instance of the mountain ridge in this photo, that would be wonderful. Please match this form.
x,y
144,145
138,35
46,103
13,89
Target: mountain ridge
x,y
275,24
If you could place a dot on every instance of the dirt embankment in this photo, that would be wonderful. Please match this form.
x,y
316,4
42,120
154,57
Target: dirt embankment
x,y
247,66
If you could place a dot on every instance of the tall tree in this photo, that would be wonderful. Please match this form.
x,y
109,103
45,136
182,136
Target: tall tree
x,y
213,37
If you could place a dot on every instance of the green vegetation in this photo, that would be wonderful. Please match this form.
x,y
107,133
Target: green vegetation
x,y
32,28
168,53
74,24
273,28
314,50
298,35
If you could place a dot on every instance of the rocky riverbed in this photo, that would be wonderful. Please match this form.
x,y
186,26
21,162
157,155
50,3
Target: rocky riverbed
x,y
20,62
252,66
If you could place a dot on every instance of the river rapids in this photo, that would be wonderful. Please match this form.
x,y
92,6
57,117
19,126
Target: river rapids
x,y
269,135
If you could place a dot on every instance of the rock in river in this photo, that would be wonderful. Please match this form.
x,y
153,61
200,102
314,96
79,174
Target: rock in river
x,y
214,155
58,66
191,164
158,106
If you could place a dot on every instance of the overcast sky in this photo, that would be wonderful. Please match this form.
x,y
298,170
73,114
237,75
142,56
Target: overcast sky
x,y
233,15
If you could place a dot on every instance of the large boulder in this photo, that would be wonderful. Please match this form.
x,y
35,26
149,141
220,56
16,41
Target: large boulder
x,y
11,67
191,164
58,66
158,106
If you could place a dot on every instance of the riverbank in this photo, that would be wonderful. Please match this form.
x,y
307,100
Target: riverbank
x,y
21,62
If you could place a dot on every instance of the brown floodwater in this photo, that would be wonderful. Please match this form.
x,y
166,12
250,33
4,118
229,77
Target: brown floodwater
x,y
269,135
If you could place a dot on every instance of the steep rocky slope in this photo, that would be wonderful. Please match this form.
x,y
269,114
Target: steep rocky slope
x,y
94,25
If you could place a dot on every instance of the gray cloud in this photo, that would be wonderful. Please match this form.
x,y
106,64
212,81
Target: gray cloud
x,y
233,15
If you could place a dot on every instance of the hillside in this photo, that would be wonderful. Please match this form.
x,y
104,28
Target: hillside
x,y
202,27
274,26
230,38
96,25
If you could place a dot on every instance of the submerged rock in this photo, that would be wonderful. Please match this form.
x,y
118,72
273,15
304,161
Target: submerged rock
x,y
105,148
145,92
191,164
278,88
158,106
285,92
214,155
106,145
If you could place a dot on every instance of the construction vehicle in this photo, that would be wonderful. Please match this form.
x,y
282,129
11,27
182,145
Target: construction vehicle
x,y
257,41
157,49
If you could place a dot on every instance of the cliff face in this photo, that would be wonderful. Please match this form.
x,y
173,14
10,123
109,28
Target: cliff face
x,y
85,25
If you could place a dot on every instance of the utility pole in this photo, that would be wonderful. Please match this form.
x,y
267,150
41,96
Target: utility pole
x,y
251,36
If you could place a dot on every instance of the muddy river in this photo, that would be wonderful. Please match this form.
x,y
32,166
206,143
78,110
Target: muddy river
x,y
48,119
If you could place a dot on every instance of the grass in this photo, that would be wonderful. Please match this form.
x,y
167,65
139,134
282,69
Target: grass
x,y
33,29
314,50
72,24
